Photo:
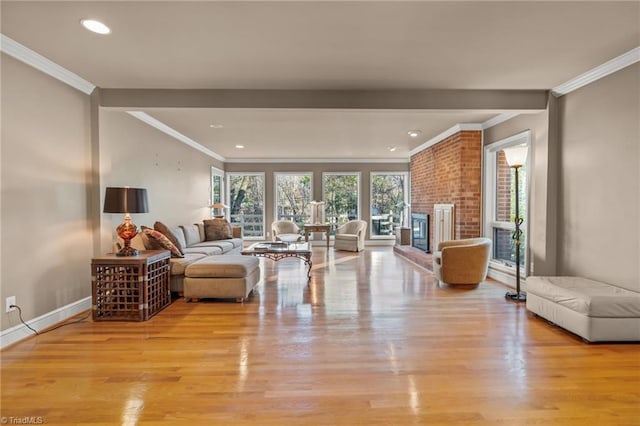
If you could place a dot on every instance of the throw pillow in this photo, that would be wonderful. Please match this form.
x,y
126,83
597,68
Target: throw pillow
x,y
217,229
161,227
156,237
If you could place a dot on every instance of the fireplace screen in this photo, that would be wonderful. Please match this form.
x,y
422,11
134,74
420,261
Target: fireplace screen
x,y
420,231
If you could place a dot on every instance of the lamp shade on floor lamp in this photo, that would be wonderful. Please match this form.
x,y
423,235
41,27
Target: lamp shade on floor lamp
x,y
126,200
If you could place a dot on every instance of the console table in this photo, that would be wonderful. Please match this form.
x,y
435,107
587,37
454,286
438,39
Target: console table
x,y
130,288
321,227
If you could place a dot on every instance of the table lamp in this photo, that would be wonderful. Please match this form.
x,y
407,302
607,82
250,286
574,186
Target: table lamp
x,y
218,209
126,200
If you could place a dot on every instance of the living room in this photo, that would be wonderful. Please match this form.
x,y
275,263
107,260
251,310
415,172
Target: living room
x,y
62,146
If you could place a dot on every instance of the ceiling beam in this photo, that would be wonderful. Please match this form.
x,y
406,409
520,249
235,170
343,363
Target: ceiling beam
x,y
521,100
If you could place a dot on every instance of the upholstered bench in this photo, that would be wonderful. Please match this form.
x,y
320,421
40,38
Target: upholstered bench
x,y
221,277
593,310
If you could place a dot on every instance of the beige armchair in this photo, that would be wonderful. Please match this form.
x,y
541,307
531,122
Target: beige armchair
x,y
462,262
284,227
350,236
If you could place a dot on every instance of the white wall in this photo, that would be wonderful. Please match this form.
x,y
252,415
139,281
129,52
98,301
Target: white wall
x,y
176,176
47,242
599,202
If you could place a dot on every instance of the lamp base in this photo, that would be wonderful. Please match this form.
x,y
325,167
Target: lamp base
x,y
518,297
128,251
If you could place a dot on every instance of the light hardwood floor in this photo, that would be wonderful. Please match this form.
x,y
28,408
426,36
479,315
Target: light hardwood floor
x,y
371,339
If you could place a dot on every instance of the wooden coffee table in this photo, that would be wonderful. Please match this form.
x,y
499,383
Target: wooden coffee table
x,y
280,250
317,227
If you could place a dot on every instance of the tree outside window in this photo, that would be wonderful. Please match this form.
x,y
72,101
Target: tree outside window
x,y
246,199
388,202
341,194
293,197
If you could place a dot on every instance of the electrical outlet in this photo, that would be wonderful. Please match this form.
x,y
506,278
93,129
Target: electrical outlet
x,y
11,300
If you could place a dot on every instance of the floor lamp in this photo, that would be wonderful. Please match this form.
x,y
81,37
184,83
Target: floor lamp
x,y
516,158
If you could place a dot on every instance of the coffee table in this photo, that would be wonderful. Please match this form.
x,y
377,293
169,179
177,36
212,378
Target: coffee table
x,y
281,250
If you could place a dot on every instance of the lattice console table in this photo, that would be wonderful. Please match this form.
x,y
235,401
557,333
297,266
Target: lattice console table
x,y
130,288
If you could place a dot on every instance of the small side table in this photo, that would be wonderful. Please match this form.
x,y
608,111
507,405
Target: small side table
x,y
315,227
130,288
403,236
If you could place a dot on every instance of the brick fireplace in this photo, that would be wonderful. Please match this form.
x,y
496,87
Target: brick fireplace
x,y
450,172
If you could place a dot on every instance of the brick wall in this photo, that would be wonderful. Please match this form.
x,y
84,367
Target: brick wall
x,y
449,172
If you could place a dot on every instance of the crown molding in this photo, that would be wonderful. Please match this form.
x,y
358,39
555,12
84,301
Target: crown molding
x,y
318,160
442,136
601,71
39,62
500,118
146,118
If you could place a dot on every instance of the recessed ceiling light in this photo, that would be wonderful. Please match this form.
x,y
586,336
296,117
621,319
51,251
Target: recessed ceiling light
x,y
240,146
95,26
216,126
392,148
414,133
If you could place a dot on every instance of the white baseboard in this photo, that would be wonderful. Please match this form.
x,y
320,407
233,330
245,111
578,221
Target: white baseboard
x,y
20,332
506,278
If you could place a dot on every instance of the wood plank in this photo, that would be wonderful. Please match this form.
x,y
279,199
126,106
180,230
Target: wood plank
x,y
370,339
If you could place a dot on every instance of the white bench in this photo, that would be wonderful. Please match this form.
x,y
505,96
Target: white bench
x,y
593,310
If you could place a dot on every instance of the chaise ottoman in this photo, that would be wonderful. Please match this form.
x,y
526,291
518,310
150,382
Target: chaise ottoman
x,y
221,277
593,310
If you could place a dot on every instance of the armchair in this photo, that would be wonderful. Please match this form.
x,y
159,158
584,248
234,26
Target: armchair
x,y
284,227
350,236
462,262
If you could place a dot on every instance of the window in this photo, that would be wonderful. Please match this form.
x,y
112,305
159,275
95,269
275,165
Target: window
x,y
389,202
500,198
341,194
217,185
246,203
293,194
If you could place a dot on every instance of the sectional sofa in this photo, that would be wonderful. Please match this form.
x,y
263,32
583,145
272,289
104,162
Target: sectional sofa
x,y
219,270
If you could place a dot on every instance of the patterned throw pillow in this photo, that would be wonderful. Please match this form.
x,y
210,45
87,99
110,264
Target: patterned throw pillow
x,y
217,229
156,237
164,229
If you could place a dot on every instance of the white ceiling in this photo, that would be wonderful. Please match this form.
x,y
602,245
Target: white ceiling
x,y
324,45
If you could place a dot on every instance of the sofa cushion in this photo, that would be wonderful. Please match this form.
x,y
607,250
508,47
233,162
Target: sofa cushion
x,y
222,267
178,233
207,250
164,229
191,234
178,265
224,245
217,229
164,242
588,297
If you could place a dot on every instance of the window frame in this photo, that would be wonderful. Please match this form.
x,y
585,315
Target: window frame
x,y
229,175
216,172
406,191
490,202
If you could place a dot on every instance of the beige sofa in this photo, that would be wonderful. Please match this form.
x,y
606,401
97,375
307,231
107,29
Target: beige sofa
x,y
193,244
462,262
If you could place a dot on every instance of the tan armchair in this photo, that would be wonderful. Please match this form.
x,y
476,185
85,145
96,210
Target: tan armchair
x,y
284,227
350,236
462,262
